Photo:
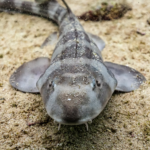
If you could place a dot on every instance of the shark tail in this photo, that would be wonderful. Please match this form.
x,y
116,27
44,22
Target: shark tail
x,y
49,9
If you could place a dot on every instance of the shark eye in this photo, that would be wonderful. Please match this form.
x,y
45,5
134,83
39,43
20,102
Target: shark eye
x,y
98,83
51,85
95,83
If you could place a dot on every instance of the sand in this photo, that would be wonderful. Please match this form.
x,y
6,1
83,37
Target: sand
x,y
125,122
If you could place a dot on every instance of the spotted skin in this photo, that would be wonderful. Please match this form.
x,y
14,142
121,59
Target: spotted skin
x,y
76,85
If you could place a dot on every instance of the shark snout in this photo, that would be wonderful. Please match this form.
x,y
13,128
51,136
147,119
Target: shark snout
x,y
73,107
71,114
67,112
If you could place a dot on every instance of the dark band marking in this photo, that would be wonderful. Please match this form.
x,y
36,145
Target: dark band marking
x,y
44,9
58,12
83,69
69,23
76,51
26,6
70,36
8,5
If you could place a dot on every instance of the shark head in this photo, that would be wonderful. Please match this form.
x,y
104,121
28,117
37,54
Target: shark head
x,y
74,99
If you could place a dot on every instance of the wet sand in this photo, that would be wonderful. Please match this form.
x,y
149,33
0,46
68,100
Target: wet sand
x,y
125,122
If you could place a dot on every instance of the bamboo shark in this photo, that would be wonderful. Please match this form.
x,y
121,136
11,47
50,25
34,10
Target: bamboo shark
x,y
75,84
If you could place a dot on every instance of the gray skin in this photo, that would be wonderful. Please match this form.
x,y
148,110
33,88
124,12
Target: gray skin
x,y
76,83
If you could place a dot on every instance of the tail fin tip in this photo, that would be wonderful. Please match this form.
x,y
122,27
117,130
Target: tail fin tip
x,y
68,8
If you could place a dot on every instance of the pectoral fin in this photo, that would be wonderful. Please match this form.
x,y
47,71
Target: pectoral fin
x,y
128,79
27,75
98,41
50,40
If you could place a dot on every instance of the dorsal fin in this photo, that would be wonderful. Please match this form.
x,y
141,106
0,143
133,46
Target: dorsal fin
x,y
68,8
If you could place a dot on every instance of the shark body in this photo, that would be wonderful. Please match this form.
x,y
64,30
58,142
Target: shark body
x,y
76,83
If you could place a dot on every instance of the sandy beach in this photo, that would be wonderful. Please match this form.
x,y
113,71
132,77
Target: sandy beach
x,y
124,124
